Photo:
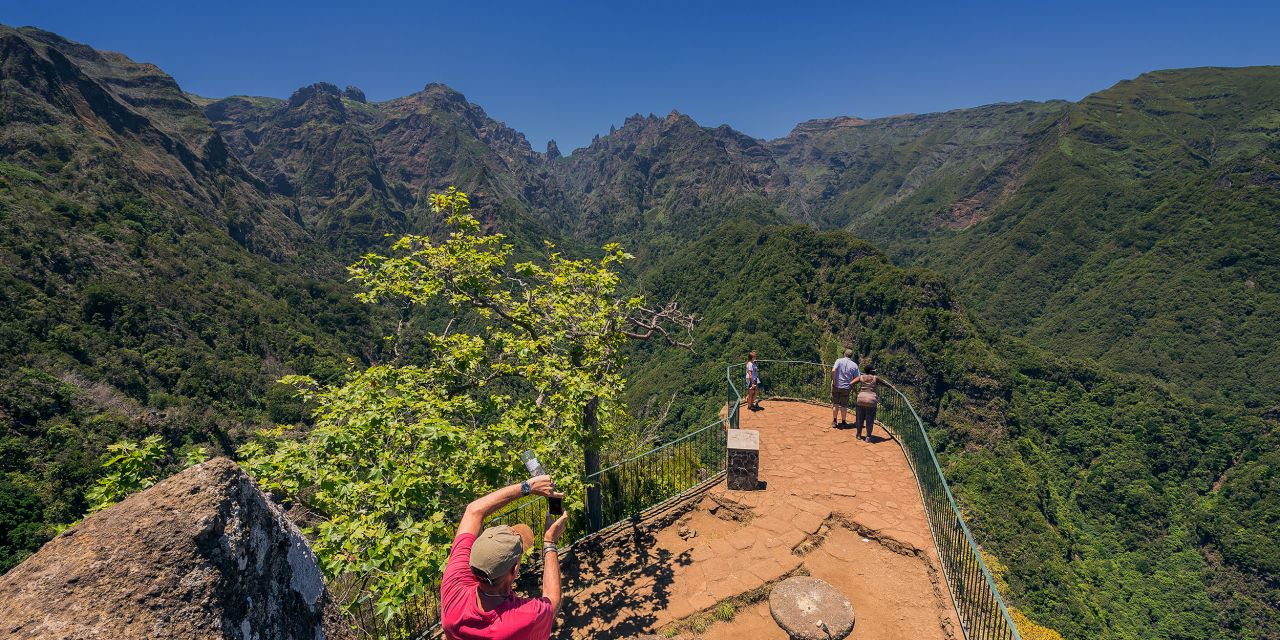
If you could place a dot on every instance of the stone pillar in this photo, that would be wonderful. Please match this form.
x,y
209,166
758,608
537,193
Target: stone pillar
x,y
744,459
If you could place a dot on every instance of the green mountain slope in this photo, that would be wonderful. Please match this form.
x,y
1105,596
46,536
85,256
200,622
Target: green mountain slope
x,y
894,179
658,177
1121,507
358,170
165,258
147,281
1145,236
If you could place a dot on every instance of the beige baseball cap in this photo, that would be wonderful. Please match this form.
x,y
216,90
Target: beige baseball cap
x,y
499,548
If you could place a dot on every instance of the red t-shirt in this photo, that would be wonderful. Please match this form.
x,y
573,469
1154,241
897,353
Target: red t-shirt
x,y
461,617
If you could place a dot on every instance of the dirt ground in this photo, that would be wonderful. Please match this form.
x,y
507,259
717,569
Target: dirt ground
x,y
825,493
887,606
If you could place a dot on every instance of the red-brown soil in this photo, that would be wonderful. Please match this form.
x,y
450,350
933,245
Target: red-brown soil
x,y
826,493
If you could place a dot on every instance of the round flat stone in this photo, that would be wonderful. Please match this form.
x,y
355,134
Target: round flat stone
x,y
810,609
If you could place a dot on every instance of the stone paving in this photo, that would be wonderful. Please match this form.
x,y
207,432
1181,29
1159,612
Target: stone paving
x,y
823,489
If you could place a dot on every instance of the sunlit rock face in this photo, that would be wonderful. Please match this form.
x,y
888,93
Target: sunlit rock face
x,y
203,554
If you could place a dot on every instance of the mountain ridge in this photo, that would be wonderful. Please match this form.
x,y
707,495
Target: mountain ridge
x,y
167,257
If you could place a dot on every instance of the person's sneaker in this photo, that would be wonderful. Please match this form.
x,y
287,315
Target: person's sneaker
x,y
834,425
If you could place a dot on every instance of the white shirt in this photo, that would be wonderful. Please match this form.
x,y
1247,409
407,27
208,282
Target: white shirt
x,y
845,371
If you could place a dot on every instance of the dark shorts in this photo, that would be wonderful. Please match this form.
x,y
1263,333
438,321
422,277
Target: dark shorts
x,y
840,397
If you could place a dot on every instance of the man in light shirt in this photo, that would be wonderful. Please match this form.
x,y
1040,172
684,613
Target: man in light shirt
x,y
843,374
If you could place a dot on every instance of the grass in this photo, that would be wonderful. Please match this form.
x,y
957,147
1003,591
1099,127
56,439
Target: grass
x,y
725,610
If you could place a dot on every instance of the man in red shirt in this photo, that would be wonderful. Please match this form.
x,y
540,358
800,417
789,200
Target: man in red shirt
x,y
476,599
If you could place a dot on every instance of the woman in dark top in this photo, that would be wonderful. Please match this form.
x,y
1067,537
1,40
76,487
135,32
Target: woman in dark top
x,y
865,411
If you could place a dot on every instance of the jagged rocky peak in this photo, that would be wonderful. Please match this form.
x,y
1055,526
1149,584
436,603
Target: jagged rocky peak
x,y
675,117
203,554
308,92
438,91
355,93
638,126
553,150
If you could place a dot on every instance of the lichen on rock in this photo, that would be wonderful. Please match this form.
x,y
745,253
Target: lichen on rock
x,y
203,554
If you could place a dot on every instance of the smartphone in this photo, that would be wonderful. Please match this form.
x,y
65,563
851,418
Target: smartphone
x,y
555,506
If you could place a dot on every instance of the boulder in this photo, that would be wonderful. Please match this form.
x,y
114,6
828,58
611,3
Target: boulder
x,y
203,554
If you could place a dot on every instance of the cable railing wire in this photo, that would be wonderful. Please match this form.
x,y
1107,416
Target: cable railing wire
x,y
982,611
664,472
627,488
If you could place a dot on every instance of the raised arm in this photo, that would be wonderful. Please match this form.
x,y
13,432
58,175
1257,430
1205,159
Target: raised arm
x,y
484,506
551,562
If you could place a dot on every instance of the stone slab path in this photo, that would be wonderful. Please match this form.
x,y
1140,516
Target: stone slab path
x,y
844,510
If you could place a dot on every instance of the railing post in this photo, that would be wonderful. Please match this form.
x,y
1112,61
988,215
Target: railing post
x,y
591,458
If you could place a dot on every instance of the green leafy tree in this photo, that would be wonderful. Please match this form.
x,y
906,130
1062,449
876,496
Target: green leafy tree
x,y
398,449
132,466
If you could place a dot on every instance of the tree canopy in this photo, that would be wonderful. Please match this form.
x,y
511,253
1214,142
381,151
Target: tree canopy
x,y
399,448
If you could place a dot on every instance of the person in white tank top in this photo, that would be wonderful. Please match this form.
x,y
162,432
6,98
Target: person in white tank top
x,y
753,382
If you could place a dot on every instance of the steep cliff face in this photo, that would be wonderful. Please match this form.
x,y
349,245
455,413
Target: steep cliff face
x,y
99,122
203,554
316,149
435,138
655,175
358,170
149,283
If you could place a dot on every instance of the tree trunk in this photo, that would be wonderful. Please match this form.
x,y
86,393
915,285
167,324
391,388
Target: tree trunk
x,y
595,519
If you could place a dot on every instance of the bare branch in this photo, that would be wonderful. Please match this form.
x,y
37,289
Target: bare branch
x,y
668,321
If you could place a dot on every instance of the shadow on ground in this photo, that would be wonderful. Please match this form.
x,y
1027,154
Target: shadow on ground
x,y
628,607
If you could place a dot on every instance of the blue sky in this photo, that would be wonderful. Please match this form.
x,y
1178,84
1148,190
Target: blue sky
x,y
570,70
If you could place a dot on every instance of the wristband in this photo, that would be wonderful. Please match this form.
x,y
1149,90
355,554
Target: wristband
x,y
548,548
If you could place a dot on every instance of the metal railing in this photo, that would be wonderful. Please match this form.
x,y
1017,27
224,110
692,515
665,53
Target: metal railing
x,y
661,473
627,488
636,483
982,611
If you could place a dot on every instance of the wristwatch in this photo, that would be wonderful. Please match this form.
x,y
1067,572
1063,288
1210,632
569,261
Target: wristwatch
x,y
525,488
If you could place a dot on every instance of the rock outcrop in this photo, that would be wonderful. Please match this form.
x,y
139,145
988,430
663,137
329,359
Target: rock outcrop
x,y
203,554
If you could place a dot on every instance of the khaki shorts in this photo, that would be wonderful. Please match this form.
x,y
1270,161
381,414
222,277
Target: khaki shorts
x,y
840,397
